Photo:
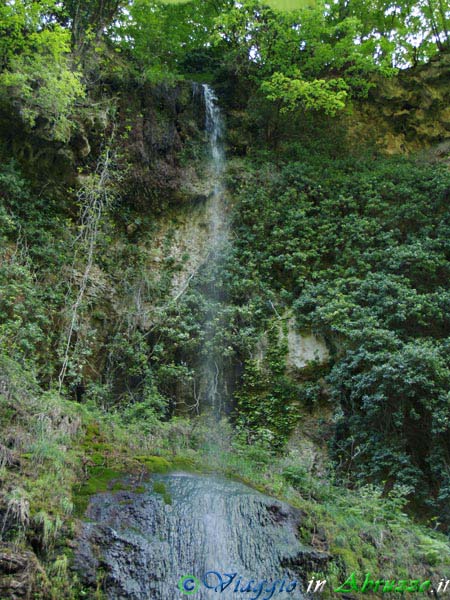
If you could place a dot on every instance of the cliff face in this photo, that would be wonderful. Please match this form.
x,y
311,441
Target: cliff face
x,y
149,126
136,350
408,113
161,130
154,236
156,224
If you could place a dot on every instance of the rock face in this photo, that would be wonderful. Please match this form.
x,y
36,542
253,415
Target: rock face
x,y
17,573
145,542
160,125
304,348
409,112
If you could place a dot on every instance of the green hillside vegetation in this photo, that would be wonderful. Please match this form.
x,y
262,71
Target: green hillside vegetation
x,y
101,161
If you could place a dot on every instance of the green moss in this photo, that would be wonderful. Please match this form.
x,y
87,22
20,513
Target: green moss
x,y
103,447
155,464
348,558
234,474
93,430
160,488
97,458
185,463
100,480
119,486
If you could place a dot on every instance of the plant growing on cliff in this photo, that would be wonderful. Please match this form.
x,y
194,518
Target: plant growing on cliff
x,y
324,95
36,77
362,256
95,198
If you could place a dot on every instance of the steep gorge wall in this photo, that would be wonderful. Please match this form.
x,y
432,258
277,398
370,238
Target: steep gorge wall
x,y
164,190
152,235
407,113
157,226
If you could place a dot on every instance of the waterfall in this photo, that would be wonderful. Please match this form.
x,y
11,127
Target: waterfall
x,y
158,535
214,128
146,543
212,368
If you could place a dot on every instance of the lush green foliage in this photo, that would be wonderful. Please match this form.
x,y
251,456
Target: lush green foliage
x,y
35,74
297,50
362,255
319,94
167,40
409,31
315,57
101,367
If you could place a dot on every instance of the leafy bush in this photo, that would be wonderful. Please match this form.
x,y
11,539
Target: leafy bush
x,y
36,76
360,251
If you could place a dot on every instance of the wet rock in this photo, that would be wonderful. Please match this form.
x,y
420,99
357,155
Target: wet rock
x,y
144,542
308,561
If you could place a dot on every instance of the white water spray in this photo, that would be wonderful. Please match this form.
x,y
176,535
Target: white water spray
x,y
214,129
219,233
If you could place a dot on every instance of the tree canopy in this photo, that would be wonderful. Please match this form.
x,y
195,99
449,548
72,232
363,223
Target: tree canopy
x,y
296,53
313,55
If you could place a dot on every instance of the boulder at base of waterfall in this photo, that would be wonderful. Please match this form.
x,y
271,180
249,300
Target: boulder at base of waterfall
x,y
138,545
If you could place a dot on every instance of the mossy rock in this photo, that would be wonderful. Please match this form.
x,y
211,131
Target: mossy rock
x,y
97,458
347,557
119,486
93,430
185,463
93,445
102,447
100,480
155,464
160,488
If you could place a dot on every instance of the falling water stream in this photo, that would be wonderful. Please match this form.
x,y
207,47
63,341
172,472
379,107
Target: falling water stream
x,y
219,232
145,540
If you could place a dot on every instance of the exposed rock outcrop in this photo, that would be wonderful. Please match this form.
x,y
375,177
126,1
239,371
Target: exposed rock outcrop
x,y
18,570
143,543
409,112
